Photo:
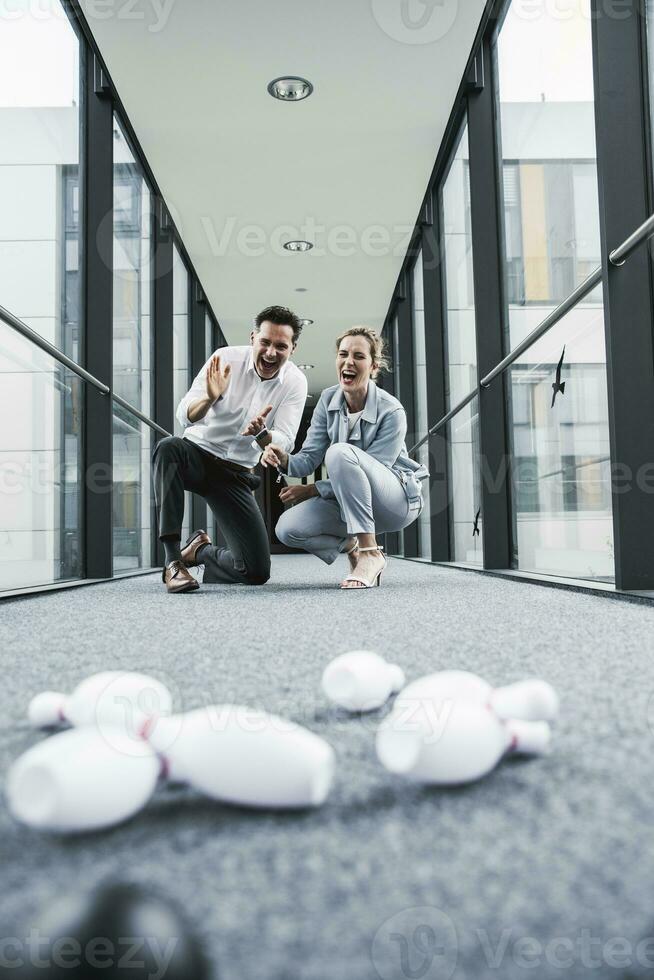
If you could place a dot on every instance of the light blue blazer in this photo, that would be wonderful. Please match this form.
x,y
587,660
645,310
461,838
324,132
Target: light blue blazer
x,y
380,431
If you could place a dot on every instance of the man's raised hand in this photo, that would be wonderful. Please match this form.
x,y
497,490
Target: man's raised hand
x,y
258,423
217,378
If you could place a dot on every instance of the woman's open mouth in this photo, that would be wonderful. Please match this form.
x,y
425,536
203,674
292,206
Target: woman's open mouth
x,y
348,377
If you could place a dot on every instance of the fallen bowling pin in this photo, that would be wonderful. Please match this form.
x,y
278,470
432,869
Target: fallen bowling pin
x,y
123,698
361,680
88,779
528,700
80,780
247,757
458,744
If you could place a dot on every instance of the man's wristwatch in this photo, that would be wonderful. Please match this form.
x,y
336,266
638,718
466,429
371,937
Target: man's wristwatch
x,y
261,435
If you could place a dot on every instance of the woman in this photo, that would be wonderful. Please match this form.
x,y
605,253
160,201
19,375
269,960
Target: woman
x,y
373,486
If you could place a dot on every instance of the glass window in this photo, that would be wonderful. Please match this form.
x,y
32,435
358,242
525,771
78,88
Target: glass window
x,y
132,215
39,170
399,537
547,124
132,491
420,387
181,352
208,336
459,297
561,476
40,466
465,485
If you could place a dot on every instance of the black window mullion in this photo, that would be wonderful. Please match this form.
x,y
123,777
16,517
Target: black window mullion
x,y
486,226
97,286
406,368
198,358
164,409
621,133
436,400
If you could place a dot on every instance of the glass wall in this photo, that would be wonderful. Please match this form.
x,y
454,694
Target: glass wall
x,y
459,337
208,336
40,466
132,292
561,473
39,170
465,486
132,491
547,125
395,333
42,473
420,388
132,354
458,286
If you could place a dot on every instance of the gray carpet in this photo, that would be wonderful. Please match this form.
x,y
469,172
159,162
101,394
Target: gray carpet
x,y
559,848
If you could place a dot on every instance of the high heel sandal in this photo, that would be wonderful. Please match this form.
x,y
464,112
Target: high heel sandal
x,y
363,584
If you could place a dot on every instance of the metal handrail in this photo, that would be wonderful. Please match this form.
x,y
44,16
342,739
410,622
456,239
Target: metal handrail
x,y
616,257
139,415
446,418
619,254
556,314
34,338
48,348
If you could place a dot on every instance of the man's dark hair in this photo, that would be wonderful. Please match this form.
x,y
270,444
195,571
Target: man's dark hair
x,y
282,316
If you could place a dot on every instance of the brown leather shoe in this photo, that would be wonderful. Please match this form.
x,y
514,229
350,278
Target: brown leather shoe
x,y
177,579
192,546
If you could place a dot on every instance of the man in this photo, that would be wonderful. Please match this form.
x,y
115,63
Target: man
x,y
238,394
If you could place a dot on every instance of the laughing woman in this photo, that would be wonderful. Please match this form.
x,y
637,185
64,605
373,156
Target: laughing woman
x,y
359,431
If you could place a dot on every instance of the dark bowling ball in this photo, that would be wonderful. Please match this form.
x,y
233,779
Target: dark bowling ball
x,y
117,932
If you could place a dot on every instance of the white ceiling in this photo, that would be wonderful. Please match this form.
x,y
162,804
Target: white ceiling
x,y
346,168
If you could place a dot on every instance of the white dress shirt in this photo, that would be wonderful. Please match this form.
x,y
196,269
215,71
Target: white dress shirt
x,y
219,432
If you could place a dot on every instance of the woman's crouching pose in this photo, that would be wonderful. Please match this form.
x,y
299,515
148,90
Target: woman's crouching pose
x,y
373,487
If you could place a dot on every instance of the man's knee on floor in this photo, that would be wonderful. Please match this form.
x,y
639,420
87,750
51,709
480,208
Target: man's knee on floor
x,y
338,454
258,575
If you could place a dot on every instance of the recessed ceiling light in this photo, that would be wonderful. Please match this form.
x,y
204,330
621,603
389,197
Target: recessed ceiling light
x,y
306,367
304,322
290,88
301,289
298,246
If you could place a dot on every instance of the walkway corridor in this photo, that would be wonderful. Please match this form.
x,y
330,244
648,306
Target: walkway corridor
x,y
556,848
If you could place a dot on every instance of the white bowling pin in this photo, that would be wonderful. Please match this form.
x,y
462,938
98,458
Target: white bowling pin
x,y
528,700
245,756
122,698
460,743
78,780
361,680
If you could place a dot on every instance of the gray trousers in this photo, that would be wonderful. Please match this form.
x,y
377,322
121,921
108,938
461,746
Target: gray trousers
x,y
368,498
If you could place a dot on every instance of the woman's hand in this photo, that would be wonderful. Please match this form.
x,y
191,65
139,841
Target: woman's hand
x,y
274,456
295,495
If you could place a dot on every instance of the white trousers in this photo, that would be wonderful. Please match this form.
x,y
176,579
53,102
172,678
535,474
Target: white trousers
x,y
369,499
